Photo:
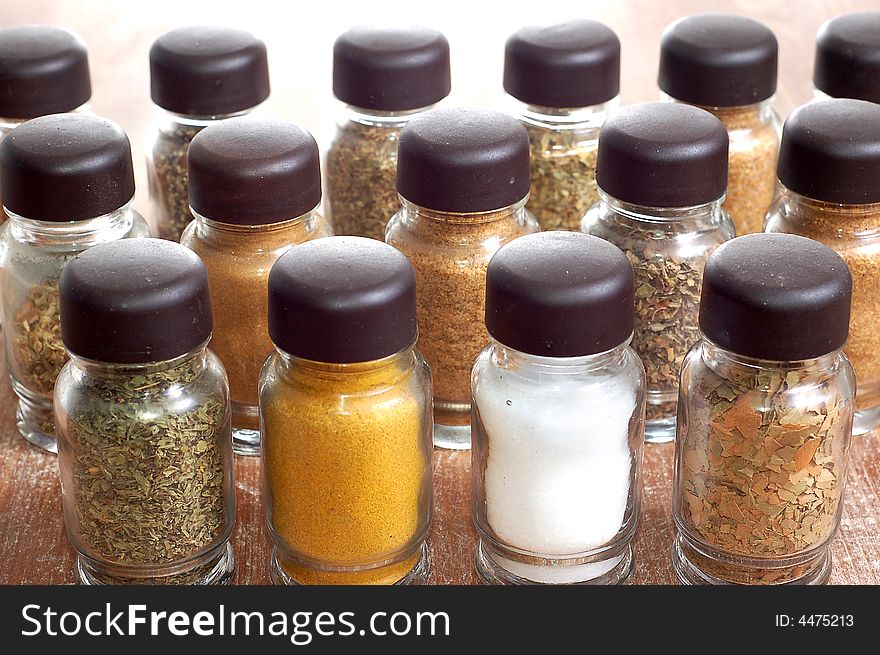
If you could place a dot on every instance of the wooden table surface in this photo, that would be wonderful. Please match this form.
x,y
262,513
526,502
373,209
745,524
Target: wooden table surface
x,y
33,546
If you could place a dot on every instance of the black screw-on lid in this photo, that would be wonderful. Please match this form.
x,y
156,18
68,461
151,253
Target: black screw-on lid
x,y
391,69
252,171
134,301
830,151
663,155
66,167
43,70
208,71
342,300
573,64
560,294
463,160
718,60
848,57
776,296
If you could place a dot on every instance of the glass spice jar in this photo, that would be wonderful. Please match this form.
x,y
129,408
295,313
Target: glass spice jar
x,y
254,188
68,185
463,180
385,77
561,82
43,70
662,172
142,408
727,65
847,60
345,412
765,414
829,167
198,76
558,415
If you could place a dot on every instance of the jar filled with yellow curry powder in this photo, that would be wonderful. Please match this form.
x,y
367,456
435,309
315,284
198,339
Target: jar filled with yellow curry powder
x,y
345,415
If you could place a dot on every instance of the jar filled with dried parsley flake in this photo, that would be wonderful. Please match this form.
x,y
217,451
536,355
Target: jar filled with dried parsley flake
x,y
463,180
142,407
727,65
562,81
765,415
847,60
662,174
68,185
198,76
254,188
385,77
829,167
345,411
43,70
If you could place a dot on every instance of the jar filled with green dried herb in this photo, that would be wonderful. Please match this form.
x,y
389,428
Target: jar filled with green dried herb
x,y
562,81
143,415
765,415
847,60
385,77
727,65
829,167
43,70
254,188
198,76
662,173
463,180
68,184
345,410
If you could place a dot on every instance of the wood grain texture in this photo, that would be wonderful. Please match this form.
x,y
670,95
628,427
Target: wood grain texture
x,y
33,545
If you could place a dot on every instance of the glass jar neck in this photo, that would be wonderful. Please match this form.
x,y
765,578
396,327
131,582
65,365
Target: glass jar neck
x,y
559,118
194,361
506,357
694,214
341,371
169,119
757,112
377,118
7,124
208,225
850,218
417,212
727,362
88,232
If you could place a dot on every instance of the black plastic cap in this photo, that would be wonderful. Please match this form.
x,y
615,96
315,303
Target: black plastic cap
x,y
847,61
718,60
250,171
573,64
66,167
830,151
208,71
779,297
560,294
463,160
663,155
43,70
390,69
135,301
342,300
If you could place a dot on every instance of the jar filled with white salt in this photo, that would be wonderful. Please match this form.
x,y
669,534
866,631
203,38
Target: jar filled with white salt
x,y
558,414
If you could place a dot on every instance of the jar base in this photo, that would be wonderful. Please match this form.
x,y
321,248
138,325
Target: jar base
x,y
36,424
866,420
246,442
217,570
496,570
660,430
452,437
417,574
815,572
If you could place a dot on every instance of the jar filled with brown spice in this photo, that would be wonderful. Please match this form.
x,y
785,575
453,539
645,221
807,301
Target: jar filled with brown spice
x,y
727,65
463,180
562,81
198,76
254,188
829,165
386,77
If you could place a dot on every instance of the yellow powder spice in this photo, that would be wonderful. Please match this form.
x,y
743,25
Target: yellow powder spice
x,y
346,469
